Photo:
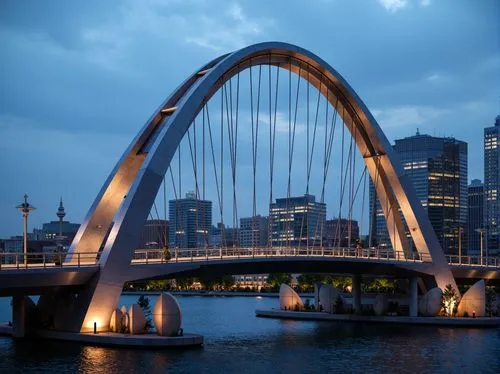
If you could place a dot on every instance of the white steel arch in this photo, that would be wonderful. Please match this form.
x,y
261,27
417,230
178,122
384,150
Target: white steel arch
x,y
116,217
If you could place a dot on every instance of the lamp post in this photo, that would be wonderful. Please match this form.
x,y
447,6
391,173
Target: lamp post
x,y
25,208
460,231
481,233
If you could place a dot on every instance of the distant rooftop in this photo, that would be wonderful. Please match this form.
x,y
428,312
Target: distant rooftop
x,y
475,183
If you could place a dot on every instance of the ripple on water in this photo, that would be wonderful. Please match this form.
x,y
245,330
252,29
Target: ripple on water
x,y
238,342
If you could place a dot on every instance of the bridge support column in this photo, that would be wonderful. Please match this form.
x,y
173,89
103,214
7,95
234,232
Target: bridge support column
x,y
18,316
356,293
413,297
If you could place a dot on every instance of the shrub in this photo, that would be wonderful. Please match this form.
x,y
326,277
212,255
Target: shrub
x,y
143,302
449,305
166,254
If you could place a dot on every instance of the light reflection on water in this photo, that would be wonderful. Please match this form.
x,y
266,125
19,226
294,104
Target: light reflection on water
x,y
237,341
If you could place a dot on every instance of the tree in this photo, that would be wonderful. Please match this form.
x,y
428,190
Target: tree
x,y
274,280
183,283
166,254
207,282
227,282
143,302
449,304
339,282
490,301
306,282
159,284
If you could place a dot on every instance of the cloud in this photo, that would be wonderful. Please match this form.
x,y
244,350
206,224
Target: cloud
x,y
433,77
282,123
393,6
141,27
233,30
406,115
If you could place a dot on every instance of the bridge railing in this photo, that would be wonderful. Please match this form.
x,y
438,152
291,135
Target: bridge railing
x,y
146,256
474,260
38,260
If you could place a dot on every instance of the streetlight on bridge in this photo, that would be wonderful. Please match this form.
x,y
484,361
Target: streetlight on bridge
x,y
26,208
481,232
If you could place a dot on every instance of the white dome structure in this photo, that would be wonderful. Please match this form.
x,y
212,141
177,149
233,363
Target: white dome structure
x,y
327,297
430,303
125,317
167,315
289,299
137,319
474,300
116,322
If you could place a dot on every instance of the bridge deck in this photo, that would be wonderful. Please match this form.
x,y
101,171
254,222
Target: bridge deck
x,y
74,271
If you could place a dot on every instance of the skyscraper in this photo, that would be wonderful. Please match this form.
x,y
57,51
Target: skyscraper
x,y
438,169
492,187
190,220
254,231
475,219
297,221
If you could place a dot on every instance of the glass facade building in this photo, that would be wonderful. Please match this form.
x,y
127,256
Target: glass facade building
x,y
190,220
492,187
438,169
475,219
254,231
297,221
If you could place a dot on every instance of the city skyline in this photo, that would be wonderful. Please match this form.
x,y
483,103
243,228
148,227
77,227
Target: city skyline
x,y
96,61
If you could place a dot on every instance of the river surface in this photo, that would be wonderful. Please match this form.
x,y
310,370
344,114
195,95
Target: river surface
x,y
238,342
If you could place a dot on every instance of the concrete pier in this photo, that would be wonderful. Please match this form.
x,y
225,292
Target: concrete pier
x,y
18,316
356,293
413,297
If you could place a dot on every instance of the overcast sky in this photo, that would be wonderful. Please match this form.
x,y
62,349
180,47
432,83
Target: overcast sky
x,y
79,78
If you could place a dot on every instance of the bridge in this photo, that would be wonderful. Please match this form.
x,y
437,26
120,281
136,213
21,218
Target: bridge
x,y
43,273
265,129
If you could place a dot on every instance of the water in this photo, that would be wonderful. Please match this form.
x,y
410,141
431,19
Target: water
x,y
238,342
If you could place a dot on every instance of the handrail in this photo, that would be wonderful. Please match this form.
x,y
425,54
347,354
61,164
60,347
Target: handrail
x,y
207,254
37,260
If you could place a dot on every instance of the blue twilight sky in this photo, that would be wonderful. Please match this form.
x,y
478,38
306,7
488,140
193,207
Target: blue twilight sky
x,y
79,78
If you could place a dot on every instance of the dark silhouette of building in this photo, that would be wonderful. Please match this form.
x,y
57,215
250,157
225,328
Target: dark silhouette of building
x,y
341,233
475,217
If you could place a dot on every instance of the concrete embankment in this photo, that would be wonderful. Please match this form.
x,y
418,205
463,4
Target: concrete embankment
x,y
437,321
211,293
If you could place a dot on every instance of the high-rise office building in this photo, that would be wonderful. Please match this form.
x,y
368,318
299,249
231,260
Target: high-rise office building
x,y
475,216
341,233
254,231
190,220
438,169
492,187
297,221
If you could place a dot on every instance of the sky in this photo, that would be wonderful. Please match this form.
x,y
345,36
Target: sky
x,y
78,79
